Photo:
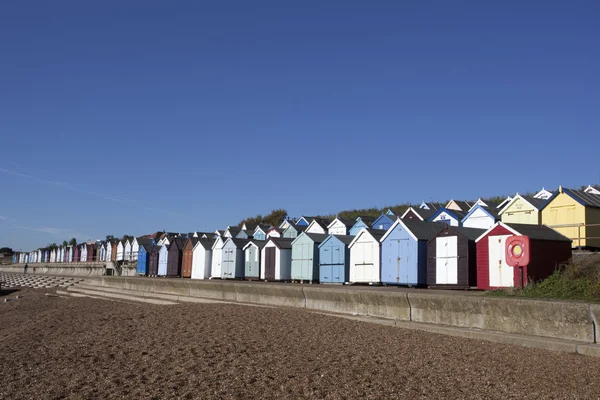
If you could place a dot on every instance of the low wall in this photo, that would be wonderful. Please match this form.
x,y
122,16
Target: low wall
x,y
563,320
75,269
553,319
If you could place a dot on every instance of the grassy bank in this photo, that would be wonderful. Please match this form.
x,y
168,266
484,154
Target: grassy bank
x,y
579,280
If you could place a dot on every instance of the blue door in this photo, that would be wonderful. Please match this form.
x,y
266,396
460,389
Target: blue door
x,y
142,265
397,269
337,255
326,267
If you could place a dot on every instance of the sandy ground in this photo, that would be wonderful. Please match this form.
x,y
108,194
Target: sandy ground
x,y
59,348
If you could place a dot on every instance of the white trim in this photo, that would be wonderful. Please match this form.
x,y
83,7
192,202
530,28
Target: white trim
x,y
250,243
414,212
394,225
514,232
502,204
591,190
359,234
514,199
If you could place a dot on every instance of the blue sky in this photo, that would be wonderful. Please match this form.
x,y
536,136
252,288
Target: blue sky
x,y
131,117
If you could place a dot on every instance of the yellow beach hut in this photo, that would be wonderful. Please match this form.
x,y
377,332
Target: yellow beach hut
x,y
575,214
523,210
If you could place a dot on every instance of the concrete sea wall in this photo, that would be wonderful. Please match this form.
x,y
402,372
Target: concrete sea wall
x,y
74,269
553,319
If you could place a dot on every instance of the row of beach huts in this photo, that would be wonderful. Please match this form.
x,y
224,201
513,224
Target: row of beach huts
x,y
456,245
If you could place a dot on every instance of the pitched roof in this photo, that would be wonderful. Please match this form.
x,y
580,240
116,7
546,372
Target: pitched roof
x,y
147,247
424,230
540,232
321,222
316,237
464,205
144,240
249,232
458,215
282,243
240,243
367,220
469,233
297,228
179,243
377,234
534,201
346,239
258,243
263,227
250,227
535,232
422,212
193,240
234,230
345,221
586,199
207,244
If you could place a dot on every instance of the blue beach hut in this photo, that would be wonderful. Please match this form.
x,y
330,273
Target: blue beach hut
x,y
334,259
404,251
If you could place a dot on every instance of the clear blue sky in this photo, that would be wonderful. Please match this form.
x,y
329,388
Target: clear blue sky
x,y
137,116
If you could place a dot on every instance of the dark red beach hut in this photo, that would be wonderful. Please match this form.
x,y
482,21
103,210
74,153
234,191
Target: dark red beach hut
x,y
548,250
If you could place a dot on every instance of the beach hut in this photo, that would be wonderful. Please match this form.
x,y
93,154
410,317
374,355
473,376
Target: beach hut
x,y
334,259
318,225
83,251
276,260
452,258
109,253
448,216
458,205
217,257
188,257
135,247
404,251
143,259
340,226
244,234
127,250
202,259
522,210
292,231
232,265
53,255
365,256
76,253
153,263
91,252
418,214
174,257
576,215
304,221
260,232
305,256
383,222
101,251
361,222
163,259
273,232
543,194
548,249
480,217
115,245
121,250
252,251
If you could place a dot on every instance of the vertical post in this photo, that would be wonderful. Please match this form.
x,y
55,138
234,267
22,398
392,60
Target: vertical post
x,y
521,277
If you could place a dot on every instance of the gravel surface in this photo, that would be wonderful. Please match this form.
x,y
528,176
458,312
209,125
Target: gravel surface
x,y
76,348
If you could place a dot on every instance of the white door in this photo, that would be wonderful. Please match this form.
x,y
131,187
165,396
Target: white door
x,y
501,274
446,260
